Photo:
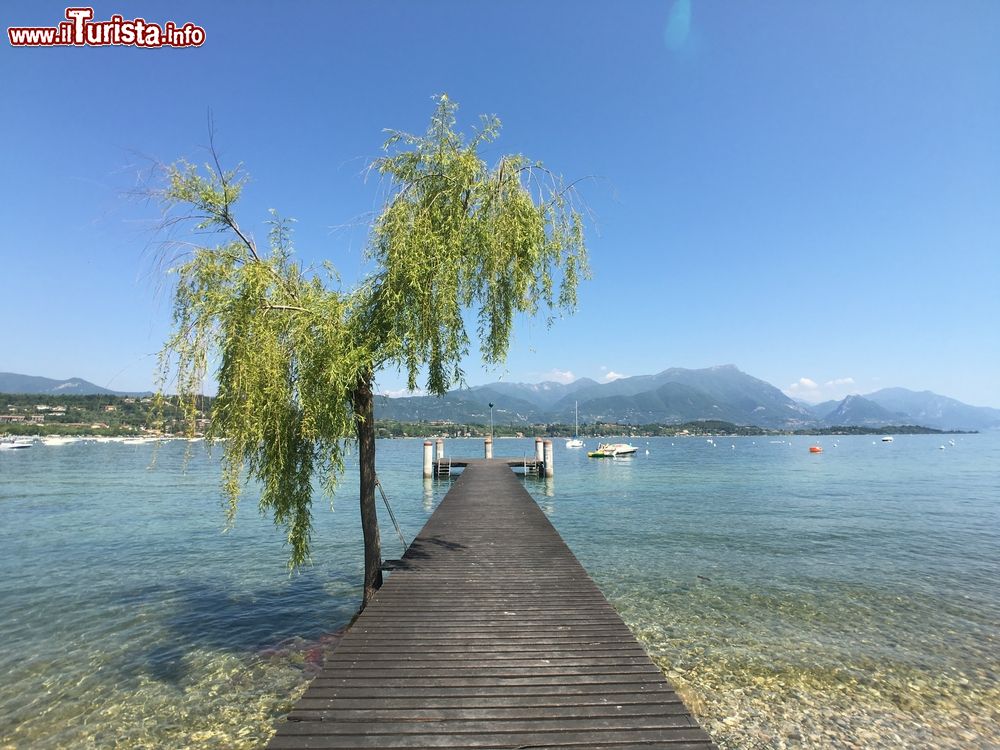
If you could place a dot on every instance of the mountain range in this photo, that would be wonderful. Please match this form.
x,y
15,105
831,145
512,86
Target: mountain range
x,y
679,395
674,396
11,382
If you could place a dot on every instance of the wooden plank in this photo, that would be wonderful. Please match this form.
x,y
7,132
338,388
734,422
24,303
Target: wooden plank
x,y
489,634
499,652
675,738
494,694
555,680
453,713
524,724
555,704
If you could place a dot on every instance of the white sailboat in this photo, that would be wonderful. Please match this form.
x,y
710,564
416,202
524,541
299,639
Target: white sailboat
x,y
575,442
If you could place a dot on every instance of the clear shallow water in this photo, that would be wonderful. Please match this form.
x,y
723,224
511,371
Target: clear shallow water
x,y
846,599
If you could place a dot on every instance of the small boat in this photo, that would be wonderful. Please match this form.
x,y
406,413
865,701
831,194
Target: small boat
x,y
575,442
14,444
612,450
887,439
59,440
815,449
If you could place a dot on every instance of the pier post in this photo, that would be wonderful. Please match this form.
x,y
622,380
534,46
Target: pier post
x,y
539,451
428,459
550,470
440,448
488,447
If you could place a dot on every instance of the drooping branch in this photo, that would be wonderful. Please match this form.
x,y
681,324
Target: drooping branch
x,y
297,358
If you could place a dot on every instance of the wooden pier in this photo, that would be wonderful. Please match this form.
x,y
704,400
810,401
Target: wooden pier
x,y
448,466
489,634
438,466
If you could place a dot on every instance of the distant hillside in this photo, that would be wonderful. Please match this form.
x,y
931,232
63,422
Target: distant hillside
x,y
673,396
681,395
933,410
861,412
542,395
464,406
11,382
670,397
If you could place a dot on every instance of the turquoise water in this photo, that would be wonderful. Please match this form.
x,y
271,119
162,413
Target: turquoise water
x,y
845,599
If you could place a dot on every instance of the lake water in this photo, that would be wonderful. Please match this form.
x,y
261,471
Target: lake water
x,y
843,599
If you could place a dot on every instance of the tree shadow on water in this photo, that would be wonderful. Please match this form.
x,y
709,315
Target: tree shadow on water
x,y
208,615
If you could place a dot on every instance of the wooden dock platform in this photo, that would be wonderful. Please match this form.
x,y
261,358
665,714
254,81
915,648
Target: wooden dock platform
x,y
489,634
447,466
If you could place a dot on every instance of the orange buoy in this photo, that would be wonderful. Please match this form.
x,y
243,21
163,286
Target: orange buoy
x,y
815,449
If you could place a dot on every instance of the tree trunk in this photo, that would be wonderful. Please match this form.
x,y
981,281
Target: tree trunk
x,y
364,410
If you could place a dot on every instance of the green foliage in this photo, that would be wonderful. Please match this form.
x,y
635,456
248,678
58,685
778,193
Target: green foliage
x,y
292,349
457,235
286,367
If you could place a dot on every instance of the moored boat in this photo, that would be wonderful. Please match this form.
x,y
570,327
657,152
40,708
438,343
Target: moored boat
x,y
59,440
575,442
612,450
10,444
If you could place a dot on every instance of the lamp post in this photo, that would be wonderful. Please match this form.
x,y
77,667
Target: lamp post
x,y
491,420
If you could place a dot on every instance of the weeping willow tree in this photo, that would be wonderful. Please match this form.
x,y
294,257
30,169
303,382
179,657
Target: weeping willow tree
x,y
297,353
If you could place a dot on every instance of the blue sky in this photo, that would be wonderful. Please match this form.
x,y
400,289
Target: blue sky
x,y
810,191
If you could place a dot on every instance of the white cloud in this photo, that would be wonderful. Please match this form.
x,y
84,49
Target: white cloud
x,y
612,375
559,376
808,389
402,393
803,385
839,381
